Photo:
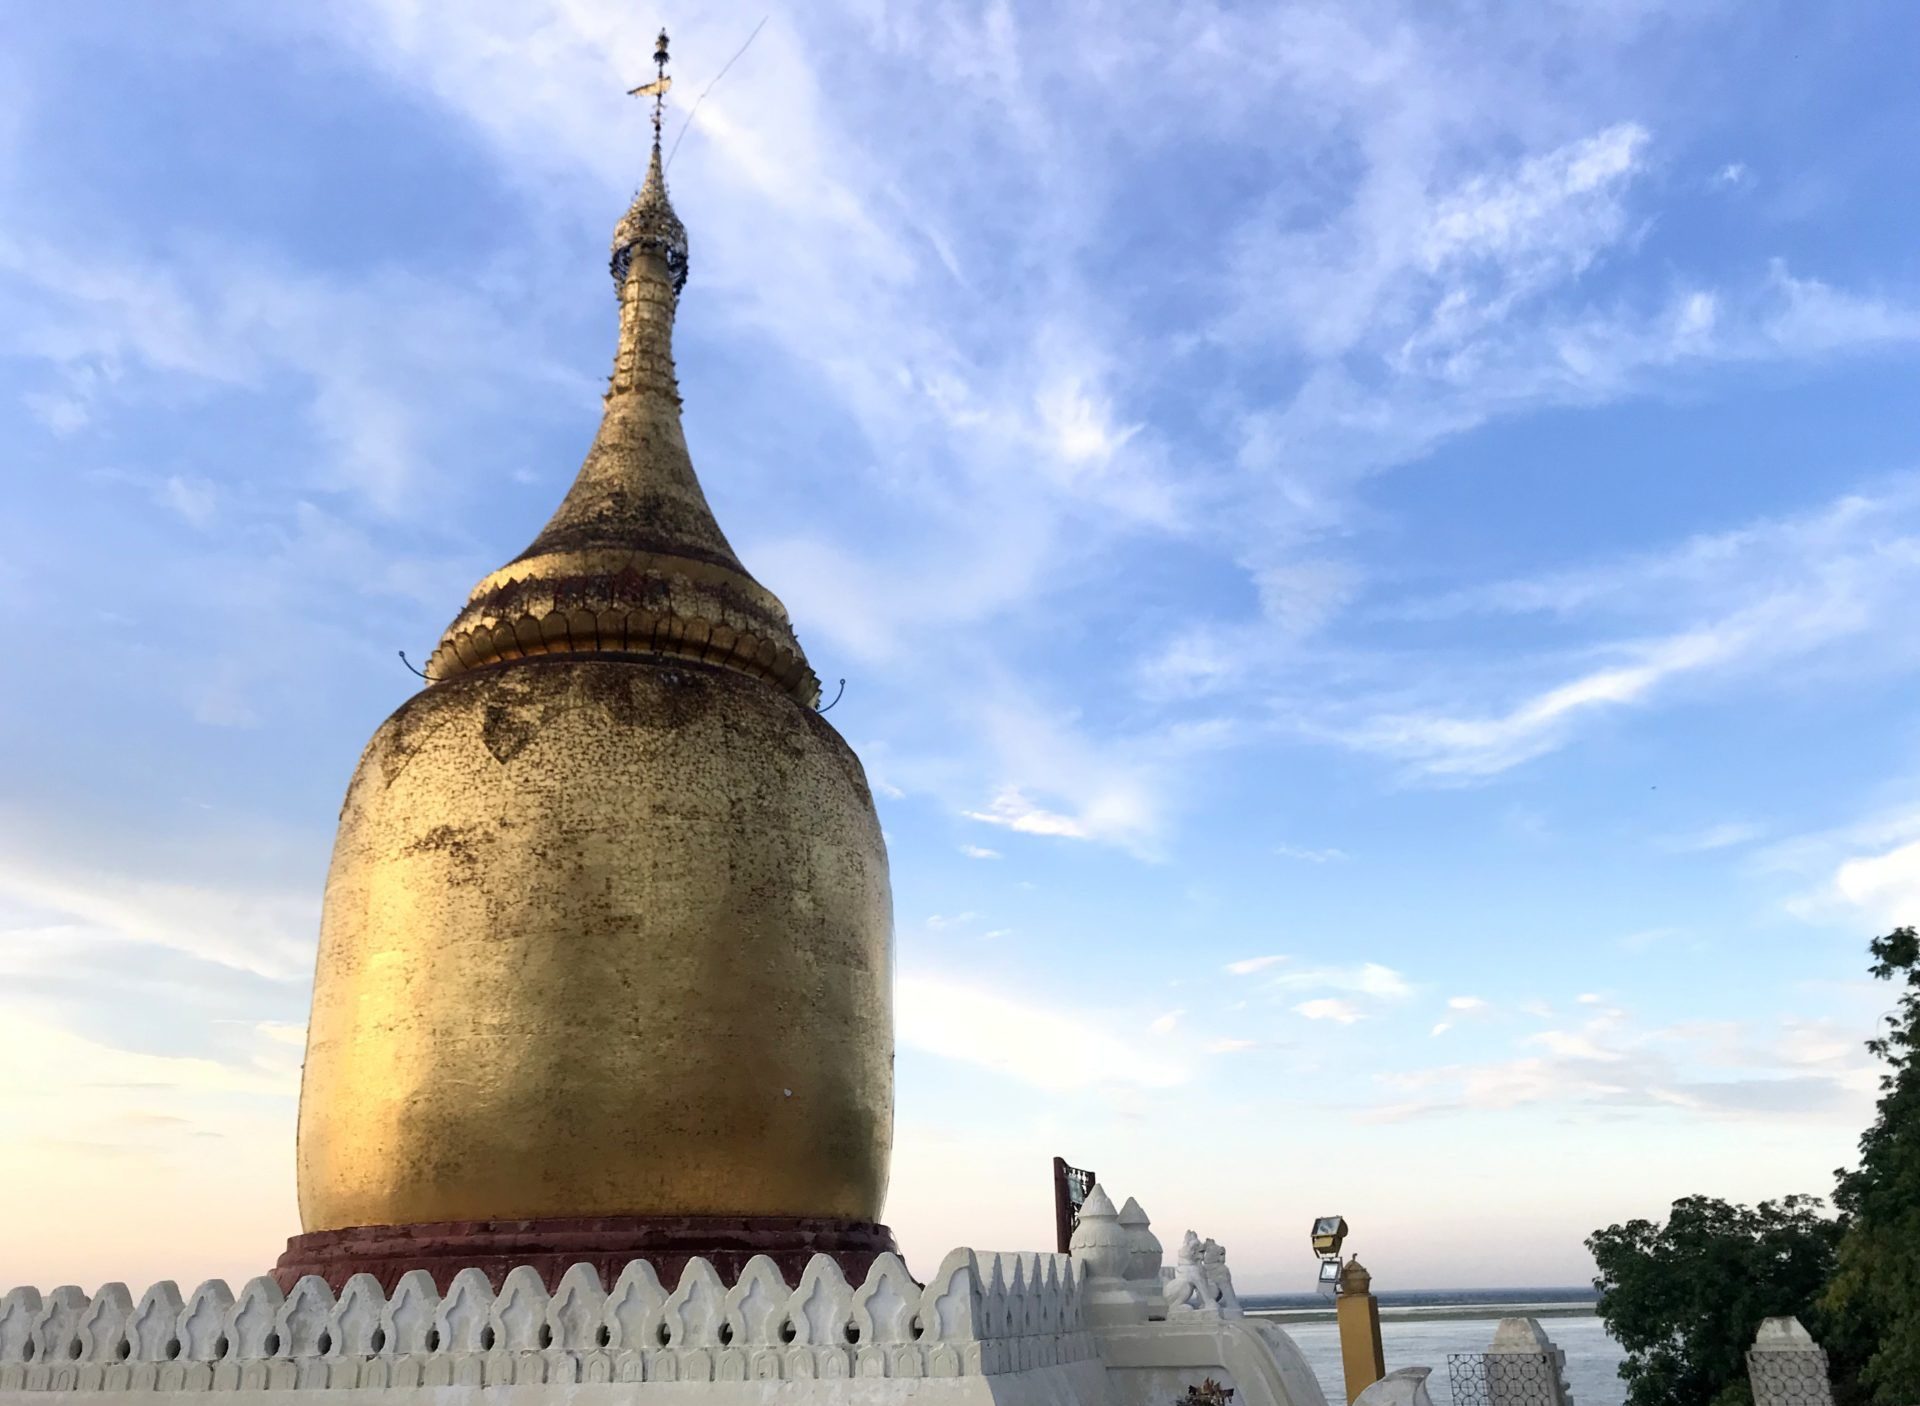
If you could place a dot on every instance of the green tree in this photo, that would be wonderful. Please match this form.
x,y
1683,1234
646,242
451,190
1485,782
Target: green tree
x,y
1685,1298
1872,1307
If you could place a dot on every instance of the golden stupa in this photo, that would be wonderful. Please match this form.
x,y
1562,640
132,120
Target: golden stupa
x,y
608,930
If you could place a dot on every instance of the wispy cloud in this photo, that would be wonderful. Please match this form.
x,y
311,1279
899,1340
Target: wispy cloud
x,y
1056,1050
1228,1045
1330,1008
1732,603
1460,1008
1367,979
1728,834
1310,856
1886,885
254,928
1608,1065
1012,809
231,319
1247,966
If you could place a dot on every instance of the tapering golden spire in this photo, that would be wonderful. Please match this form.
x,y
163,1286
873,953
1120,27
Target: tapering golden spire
x,y
633,562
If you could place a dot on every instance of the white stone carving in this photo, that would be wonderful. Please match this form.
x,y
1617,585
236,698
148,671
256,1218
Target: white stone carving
x,y
1213,1262
519,1318
1187,1289
250,1323
464,1321
756,1305
822,1305
153,1330
203,1322
636,1309
576,1317
980,1315
302,1320
1786,1367
354,1327
1102,1254
411,1314
1523,1366
1405,1387
56,1332
18,1312
696,1312
950,1308
1145,1245
1143,1268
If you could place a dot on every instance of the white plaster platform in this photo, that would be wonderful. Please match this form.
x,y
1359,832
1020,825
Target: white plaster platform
x,y
1101,1327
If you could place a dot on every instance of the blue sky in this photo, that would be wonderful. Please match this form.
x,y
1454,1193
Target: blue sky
x,y
1372,546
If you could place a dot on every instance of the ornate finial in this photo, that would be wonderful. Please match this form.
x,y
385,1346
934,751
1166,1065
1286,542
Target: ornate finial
x,y
657,90
650,225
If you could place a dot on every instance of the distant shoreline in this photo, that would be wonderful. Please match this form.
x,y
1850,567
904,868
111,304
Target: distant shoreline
x,y
1437,1313
1433,1305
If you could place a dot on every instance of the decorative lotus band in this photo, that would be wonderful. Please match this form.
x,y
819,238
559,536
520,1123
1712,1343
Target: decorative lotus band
x,y
981,1314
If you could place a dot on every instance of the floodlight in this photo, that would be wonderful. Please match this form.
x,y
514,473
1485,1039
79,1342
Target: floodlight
x,y
1329,1271
1328,1234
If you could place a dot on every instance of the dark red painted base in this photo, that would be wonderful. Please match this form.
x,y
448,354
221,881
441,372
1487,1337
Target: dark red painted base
x,y
608,1243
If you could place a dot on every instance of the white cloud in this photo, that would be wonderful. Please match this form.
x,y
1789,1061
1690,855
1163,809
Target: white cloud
x,y
1466,1003
977,852
252,928
1561,206
1012,809
1728,834
1330,1008
1886,885
1714,610
1080,425
1310,856
1367,979
1165,1024
1055,1050
1246,966
1609,1066
1444,746
1571,1045
1231,1046
229,318
194,499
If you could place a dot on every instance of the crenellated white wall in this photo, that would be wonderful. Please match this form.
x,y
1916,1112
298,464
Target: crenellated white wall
x,y
988,1329
981,1314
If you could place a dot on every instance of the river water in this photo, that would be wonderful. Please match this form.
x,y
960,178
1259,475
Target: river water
x,y
1592,1356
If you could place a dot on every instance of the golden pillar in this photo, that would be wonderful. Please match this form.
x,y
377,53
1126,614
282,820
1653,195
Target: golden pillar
x,y
605,963
1357,1312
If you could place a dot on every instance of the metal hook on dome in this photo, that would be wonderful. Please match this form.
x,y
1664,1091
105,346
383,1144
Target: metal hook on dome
x,y
421,672
836,697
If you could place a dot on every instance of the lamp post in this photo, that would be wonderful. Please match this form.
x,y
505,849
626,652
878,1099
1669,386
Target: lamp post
x,y
1355,1309
1358,1313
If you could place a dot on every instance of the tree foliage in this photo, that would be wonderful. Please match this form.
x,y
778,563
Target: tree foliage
x,y
1685,1298
1872,1307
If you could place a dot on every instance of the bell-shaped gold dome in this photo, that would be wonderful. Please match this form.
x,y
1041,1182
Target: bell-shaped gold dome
x,y
608,929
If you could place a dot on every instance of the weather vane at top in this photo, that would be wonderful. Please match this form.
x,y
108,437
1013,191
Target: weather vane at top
x,y
657,90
